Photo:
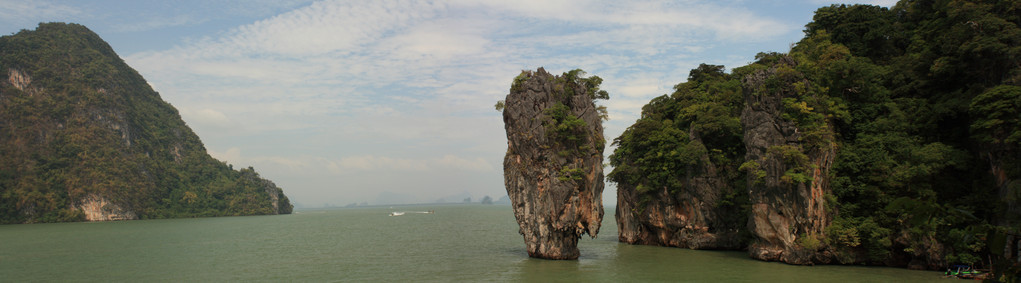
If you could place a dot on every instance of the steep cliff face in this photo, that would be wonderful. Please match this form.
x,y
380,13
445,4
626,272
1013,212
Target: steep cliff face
x,y
997,128
689,217
899,147
788,169
83,137
677,168
553,167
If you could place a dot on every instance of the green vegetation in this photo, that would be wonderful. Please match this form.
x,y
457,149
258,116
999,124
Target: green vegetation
x,y
700,119
570,136
921,101
566,86
76,121
567,131
809,241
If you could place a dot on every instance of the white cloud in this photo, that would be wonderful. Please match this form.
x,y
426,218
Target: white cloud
x,y
231,155
451,161
325,27
210,118
157,22
370,162
641,86
250,8
437,41
729,22
29,13
884,3
360,88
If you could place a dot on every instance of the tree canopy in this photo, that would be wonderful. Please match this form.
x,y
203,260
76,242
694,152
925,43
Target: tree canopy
x,y
923,99
76,121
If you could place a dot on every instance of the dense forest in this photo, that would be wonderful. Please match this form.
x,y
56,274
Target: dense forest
x,y
919,103
81,132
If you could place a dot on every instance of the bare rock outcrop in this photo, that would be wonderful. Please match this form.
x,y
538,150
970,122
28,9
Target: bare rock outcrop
x,y
553,168
97,208
788,176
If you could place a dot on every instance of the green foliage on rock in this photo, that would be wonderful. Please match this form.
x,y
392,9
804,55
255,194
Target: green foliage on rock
x,y
77,122
566,130
564,127
696,126
921,101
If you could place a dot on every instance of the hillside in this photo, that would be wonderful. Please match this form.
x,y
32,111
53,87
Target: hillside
x,y
84,137
886,136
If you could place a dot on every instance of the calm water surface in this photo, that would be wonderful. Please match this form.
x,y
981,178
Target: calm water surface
x,y
456,243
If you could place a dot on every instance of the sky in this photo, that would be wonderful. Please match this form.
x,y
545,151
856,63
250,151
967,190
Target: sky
x,y
390,102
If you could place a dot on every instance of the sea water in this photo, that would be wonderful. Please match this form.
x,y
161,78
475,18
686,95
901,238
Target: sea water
x,y
455,243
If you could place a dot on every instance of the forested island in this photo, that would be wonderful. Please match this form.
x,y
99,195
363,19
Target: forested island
x,y
84,137
886,136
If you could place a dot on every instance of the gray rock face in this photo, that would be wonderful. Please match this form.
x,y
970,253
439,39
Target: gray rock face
x,y
690,219
553,167
786,213
97,208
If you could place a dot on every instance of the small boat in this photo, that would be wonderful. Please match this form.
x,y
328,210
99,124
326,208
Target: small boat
x,y
396,213
965,272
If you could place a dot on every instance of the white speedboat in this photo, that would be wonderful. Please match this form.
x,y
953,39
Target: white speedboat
x,y
397,213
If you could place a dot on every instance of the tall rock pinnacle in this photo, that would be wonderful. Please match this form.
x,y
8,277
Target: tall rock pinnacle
x,y
553,168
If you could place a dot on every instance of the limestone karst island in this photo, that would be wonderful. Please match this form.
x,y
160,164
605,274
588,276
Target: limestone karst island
x,y
881,142
553,169
83,137
884,137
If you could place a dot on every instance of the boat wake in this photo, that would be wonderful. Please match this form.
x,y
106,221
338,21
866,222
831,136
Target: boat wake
x,y
399,213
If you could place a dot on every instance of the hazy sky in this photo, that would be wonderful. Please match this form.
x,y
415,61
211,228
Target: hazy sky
x,y
392,101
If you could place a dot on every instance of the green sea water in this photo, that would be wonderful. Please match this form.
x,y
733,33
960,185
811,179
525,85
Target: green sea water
x,y
457,243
